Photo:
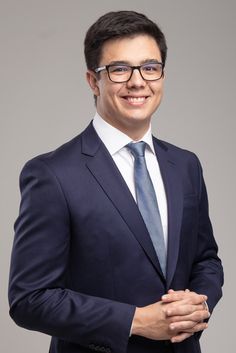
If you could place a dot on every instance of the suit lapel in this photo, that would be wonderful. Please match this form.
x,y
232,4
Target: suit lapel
x,y
174,194
106,173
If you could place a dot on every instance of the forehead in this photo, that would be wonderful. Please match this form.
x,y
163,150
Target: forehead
x,y
133,50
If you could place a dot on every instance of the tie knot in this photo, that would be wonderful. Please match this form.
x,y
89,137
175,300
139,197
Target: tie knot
x,y
137,148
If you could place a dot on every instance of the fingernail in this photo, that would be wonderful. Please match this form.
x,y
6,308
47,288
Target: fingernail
x,y
164,297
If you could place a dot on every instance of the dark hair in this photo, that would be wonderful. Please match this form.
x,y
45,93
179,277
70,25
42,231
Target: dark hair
x,y
116,25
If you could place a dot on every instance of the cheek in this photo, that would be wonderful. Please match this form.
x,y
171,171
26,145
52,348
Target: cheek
x,y
107,100
112,97
157,88
106,92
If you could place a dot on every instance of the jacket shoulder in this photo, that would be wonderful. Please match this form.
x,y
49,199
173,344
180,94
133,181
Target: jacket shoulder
x,y
176,152
68,153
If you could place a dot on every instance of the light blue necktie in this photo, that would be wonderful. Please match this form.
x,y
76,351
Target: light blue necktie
x,y
147,202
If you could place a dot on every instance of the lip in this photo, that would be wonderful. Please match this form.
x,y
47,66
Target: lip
x,y
135,100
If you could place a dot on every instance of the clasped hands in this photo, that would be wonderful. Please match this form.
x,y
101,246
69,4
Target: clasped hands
x,y
177,316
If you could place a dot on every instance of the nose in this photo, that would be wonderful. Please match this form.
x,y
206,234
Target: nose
x,y
136,79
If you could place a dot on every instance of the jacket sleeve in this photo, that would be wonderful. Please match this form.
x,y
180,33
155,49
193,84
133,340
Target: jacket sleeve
x,y
207,272
38,294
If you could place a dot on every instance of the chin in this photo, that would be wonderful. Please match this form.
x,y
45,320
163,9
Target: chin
x,y
139,117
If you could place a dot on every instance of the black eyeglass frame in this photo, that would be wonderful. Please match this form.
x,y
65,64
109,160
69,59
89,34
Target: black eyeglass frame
x,y
106,67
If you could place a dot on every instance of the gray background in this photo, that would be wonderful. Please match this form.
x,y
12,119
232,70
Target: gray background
x,y
45,101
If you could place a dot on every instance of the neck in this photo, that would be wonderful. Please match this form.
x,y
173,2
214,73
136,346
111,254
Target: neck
x,y
136,135
135,130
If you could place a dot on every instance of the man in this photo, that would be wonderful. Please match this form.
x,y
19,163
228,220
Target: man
x,y
114,250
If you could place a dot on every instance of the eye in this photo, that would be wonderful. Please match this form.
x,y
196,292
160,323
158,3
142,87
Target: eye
x,y
119,69
151,67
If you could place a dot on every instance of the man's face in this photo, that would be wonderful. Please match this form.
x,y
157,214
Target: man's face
x,y
128,106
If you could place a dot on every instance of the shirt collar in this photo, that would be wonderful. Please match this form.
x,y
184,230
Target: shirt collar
x,y
114,139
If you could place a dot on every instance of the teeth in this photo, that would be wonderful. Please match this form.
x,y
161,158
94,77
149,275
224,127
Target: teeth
x,y
136,99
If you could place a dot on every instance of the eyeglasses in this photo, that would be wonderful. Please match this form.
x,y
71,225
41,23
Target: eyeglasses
x,y
122,73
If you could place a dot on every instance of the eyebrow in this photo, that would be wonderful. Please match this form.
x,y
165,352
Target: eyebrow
x,y
146,61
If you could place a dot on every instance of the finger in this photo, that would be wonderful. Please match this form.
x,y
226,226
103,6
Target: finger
x,y
188,326
178,291
181,309
187,296
186,309
181,337
172,296
201,326
196,317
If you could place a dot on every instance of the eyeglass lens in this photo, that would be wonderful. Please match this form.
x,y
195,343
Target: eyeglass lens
x,y
122,73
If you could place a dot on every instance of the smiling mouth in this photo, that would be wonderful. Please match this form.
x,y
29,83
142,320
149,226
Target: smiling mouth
x,y
135,100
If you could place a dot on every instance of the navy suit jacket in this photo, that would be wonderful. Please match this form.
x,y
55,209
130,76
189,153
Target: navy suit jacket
x,y
82,257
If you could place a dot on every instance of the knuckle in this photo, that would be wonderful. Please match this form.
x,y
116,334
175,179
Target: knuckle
x,y
171,319
200,327
206,316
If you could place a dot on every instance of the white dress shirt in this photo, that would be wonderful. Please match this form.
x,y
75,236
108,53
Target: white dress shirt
x,y
115,142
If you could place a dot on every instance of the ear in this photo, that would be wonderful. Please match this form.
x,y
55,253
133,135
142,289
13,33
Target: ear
x,y
93,82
